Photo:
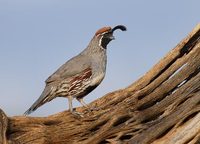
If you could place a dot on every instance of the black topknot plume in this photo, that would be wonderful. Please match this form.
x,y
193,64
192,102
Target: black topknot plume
x,y
121,27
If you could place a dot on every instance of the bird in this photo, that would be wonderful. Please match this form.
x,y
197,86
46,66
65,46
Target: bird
x,y
81,74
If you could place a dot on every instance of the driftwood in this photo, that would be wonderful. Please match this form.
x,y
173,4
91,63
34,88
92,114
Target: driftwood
x,y
162,107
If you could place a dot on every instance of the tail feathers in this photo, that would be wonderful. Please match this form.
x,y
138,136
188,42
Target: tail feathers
x,y
31,109
37,104
41,100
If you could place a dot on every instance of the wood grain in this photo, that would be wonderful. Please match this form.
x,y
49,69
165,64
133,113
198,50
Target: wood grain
x,y
161,107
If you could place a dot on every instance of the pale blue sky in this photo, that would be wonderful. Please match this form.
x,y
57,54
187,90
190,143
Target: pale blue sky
x,y
37,36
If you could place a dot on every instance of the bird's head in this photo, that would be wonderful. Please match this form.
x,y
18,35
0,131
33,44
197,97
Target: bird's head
x,y
105,35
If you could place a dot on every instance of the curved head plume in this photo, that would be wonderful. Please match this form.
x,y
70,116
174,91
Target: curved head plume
x,y
105,34
121,27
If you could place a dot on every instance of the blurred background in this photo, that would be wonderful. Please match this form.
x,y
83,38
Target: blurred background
x,y
38,36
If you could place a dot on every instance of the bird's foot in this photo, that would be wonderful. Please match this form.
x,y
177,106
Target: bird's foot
x,y
77,114
94,108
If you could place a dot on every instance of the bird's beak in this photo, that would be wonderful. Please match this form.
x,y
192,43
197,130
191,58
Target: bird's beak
x,y
112,37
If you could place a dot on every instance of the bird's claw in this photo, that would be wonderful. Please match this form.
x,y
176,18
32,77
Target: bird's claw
x,y
77,114
94,109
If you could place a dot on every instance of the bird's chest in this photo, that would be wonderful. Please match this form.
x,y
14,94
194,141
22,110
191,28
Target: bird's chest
x,y
97,79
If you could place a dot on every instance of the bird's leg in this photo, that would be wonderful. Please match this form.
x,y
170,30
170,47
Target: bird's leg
x,y
70,98
85,105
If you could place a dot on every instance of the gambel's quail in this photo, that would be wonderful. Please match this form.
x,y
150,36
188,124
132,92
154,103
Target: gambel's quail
x,y
81,74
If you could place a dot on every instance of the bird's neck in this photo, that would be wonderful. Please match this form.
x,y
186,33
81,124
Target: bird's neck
x,y
94,48
97,54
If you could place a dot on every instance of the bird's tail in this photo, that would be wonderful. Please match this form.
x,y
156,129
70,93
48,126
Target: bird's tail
x,y
40,101
32,108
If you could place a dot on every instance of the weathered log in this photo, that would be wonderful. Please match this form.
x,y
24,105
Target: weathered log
x,y
3,127
162,107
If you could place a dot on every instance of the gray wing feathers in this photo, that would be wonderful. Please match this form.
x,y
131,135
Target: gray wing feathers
x,y
70,68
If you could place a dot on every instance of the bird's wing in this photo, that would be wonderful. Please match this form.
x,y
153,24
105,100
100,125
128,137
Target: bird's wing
x,y
70,68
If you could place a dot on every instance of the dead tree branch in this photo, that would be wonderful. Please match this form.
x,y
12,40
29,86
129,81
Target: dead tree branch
x,y
162,107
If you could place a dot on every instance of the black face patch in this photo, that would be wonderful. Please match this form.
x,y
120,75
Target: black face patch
x,y
105,39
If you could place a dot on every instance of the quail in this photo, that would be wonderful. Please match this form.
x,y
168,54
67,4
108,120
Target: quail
x,y
81,74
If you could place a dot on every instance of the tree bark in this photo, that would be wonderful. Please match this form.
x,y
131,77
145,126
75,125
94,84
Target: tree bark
x,y
162,107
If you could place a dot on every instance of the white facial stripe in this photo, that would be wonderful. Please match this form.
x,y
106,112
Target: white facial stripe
x,y
101,37
100,40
